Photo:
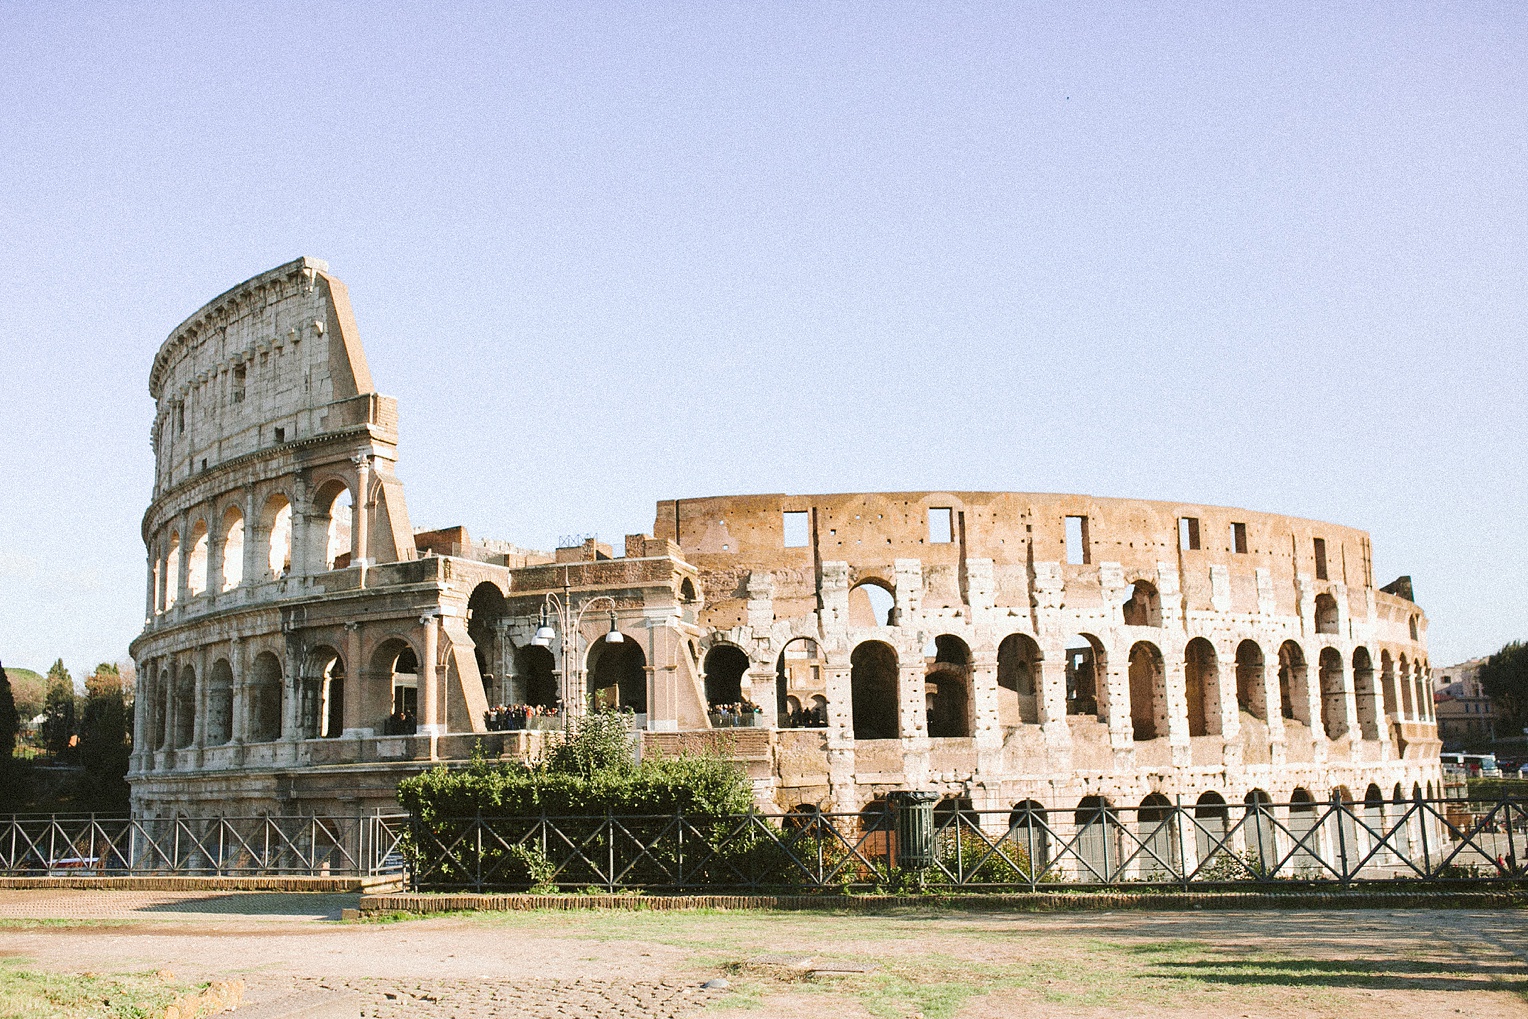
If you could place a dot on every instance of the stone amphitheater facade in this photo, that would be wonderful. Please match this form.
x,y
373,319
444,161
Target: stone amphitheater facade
x,y
304,647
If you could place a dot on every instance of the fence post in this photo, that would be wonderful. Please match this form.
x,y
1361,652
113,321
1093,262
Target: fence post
x,y
610,847
1342,841
477,860
1506,810
1422,808
679,820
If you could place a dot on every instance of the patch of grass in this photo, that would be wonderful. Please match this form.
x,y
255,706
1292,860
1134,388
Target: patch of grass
x,y
31,994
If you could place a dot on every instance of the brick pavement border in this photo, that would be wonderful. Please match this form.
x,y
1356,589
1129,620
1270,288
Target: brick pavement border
x,y
439,902
189,883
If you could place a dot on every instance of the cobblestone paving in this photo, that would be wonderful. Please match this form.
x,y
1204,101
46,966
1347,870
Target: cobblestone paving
x,y
530,999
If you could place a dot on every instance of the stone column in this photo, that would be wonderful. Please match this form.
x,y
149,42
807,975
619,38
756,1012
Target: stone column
x,y
183,568
148,598
761,682
353,688
429,678
199,697
913,721
1050,701
239,725
302,527
141,706
1172,695
841,784
256,561
360,514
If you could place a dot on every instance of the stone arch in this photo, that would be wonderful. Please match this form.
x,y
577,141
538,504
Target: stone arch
x,y
872,602
395,662
1334,709
874,691
1201,680
1085,667
1158,858
1387,688
185,707
1018,680
617,675
266,694
687,594
1097,838
1144,606
1027,830
1294,698
947,686
233,548
197,559
1211,821
799,677
1366,695
172,570
330,525
219,703
536,669
485,611
1408,709
725,667
1251,693
1148,709
1326,613
322,707
276,528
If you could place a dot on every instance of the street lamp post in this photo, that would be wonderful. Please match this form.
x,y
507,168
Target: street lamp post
x,y
558,613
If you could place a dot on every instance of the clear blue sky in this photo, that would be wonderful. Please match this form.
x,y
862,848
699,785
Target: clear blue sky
x,y
1242,254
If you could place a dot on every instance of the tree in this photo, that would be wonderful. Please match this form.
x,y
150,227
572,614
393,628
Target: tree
x,y
58,712
10,720
1504,677
105,743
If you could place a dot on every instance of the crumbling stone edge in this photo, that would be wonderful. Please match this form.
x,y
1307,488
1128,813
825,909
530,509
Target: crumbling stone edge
x,y
1039,902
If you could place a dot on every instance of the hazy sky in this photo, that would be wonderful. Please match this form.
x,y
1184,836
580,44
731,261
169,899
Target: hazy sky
x,y
1269,256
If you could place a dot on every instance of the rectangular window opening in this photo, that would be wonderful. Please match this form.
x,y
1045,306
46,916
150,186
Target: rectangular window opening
x,y
1077,541
1239,539
798,531
239,372
281,435
939,527
1320,547
1188,533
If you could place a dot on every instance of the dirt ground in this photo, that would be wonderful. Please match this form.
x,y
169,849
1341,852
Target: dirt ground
x,y
1194,965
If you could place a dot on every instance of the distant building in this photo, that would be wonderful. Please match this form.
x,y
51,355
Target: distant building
x,y
1464,711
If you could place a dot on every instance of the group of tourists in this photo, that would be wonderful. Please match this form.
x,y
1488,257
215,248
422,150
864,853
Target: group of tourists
x,y
740,713
400,723
808,718
514,717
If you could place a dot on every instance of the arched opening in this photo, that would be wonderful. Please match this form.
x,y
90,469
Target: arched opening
x,y
233,548
1413,625
172,571
1084,664
871,603
1148,714
1408,705
1294,701
537,672
277,524
331,524
947,688
196,561
1387,686
1302,822
1158,858
952,810
1326,614
401,665
1097,838
1251,694
1018,680
1366,694
873,691
323,694
726,665
1201,678
1144,606
219,703
798,683
1334,708
618,676
265,699
1211,819
1260,829
1027,831
485,611
185,708
1424,689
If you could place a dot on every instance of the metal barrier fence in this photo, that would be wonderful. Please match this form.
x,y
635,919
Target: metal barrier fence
x,y
359,846
894,845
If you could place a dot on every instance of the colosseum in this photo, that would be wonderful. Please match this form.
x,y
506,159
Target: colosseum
x,y
304,647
